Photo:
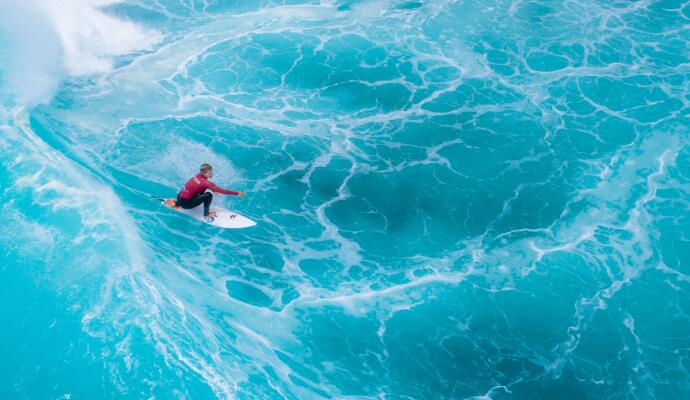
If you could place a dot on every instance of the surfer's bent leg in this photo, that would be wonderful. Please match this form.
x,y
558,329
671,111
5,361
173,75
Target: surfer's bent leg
x,y
205,198
208,198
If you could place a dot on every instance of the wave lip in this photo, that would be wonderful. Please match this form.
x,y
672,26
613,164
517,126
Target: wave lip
x,y
45,41
91,38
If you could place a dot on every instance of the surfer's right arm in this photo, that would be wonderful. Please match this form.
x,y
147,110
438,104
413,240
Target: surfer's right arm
x,y
218,189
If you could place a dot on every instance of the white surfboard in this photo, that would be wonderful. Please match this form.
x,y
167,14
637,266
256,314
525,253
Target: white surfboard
x,y
223,219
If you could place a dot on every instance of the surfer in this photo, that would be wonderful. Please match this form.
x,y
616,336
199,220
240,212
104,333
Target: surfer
x,y
194,191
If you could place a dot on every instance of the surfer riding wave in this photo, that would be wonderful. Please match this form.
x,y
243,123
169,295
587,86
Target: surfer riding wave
x,y
194,191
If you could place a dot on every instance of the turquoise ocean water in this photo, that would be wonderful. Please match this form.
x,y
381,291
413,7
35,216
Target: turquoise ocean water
x,y
455,199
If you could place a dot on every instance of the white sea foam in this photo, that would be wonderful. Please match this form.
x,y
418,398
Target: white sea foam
x,y
90,38
32,52
47,40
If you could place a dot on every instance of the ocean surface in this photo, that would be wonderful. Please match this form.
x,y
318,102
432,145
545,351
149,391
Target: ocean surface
x,y
456,199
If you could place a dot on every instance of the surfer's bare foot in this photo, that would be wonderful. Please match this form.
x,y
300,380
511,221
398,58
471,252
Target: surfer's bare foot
x,y
211,214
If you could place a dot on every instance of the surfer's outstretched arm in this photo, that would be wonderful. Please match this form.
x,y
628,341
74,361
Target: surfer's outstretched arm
x,y
218,189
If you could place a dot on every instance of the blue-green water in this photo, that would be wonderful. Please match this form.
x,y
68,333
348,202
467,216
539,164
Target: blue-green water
x,y
455,199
